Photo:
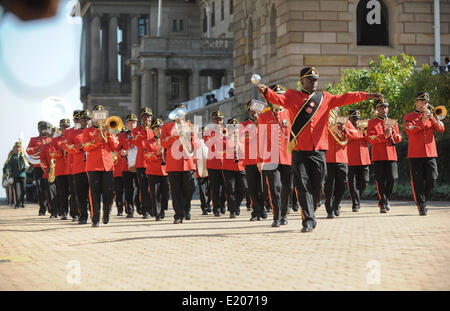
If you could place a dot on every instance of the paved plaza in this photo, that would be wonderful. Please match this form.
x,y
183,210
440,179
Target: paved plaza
x,y
355,251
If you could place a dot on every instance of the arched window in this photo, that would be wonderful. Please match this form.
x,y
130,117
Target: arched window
x,y
250,43
372,23
273,31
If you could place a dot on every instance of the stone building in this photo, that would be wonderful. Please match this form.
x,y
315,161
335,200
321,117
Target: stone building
x,y
137,53
276,38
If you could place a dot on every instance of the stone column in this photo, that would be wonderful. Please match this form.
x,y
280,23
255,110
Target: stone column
x,y
145,88
96,61
134,29
229,76
162,100
112,50
135,90
195,83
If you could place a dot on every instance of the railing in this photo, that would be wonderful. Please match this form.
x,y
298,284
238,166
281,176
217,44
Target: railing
x,y
186,45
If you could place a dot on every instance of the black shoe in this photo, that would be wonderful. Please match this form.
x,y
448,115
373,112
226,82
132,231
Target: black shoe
x,y
222,210
232,215
254,218
178,221
387,207
423,211
249,209
162,214
295,208
238,212
95,224
119,214
217,213
130,216
82,222
307,228
63,217
139,210
314,224
283,221
41,214
145,216
187,216
336,212
22,205
383,210
157,218
276,223
330,216
204,212
355,209
105,219
264,214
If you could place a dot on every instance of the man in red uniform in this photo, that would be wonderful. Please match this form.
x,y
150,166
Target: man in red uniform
x,y
275,160
120,164
233,168
180,164
249,130
130,180
34,150
156,172
213,137
309,111
141,135
49,186
73,204
61,172
73,145
422,153
358,160
383,135
99,145
336,157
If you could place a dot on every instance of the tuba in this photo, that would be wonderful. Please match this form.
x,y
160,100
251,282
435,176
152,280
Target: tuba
x,y
333,120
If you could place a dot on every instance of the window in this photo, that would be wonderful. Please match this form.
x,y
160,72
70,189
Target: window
x,y
143,26
273,31
372,23
222,10
174,87
250,44
231,7
205,21
213,14
177,25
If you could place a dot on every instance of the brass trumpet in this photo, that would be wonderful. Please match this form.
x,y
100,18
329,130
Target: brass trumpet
x,y
440,112
114,125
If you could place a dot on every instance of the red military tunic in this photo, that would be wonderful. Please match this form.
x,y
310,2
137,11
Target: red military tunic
x,y
153,159
99,157
176,161
72,145
69,157
45,159
248,130
315,134
125,143
357,148
272,145
140,136
34,145
382,148
421,142
59,156
214,142
337,153
229,160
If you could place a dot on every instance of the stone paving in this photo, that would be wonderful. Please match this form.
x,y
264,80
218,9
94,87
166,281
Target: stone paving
x,y
355,251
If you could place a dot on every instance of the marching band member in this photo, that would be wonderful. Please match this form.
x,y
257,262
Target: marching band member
x,y
358,160
73,204
337,169
48,167
309,111
130,180
99,145
120,164
61,171
33,150
73,145
201,174
274,158
213,137
233,168
179,138
250,161
383,138
156,172
422,153
141,134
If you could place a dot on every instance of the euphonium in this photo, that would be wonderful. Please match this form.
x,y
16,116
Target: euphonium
x,y
440,112
333,120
